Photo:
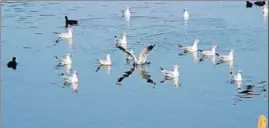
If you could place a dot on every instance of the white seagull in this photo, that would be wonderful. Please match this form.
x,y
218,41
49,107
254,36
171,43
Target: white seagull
x,y
192,48
142,56
70,79
211,52
185,14
66,61
170,74
65,36
106,62
237,77
226,58
126,12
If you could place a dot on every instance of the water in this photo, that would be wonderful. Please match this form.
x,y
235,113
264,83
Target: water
x,y
33,96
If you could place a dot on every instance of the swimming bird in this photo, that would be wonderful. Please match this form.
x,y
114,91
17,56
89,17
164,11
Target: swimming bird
x,y
248,4
260,3
66,61
106,62
126,12
70,22
237,77
142,56
70,79
212,52
192,48
185,14
226,58
65,35
265,10
170,74
12,64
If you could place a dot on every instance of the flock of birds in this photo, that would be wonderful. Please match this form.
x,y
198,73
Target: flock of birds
x,y
141,59
259,4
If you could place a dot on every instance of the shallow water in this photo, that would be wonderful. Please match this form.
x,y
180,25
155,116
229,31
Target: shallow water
x,y
33,95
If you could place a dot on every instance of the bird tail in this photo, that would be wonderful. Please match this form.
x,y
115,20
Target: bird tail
x,y
161,68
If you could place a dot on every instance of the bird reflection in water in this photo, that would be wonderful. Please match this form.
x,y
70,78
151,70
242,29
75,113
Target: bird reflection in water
x,y
175,81
143,74
249,92
127,20
194,55
75,87
108,67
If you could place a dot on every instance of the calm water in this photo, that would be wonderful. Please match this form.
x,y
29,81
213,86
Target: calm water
x,y
33,96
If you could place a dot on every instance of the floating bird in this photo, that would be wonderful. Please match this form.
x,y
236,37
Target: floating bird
x,y
70,79
171,75
185,14
142,56
249,4
106,62
66,35
237,77
226,58
66,61
212,52
260,3
126,12
12,64
192,48
70,22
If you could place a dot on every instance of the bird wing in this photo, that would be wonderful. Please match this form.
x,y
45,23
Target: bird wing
x,y
145,75
145,52
127,52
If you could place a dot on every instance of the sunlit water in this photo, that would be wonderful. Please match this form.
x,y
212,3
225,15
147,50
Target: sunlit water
x,y
33,96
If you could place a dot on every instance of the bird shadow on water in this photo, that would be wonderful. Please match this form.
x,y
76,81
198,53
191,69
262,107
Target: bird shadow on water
x,y
143,74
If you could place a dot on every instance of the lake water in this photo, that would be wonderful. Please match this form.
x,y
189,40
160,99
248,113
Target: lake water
x,y
33,96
